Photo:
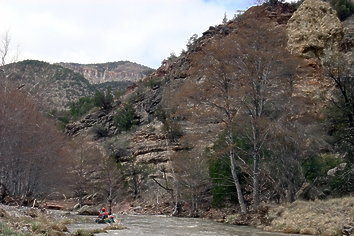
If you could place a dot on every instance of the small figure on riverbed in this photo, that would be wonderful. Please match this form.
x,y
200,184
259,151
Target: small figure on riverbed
x,y
104,217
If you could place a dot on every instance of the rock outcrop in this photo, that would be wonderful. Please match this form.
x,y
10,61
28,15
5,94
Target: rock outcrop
x,y
97,119
314,28
111,71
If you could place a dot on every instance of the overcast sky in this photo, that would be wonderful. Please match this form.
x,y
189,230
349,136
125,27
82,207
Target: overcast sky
x,y
95,31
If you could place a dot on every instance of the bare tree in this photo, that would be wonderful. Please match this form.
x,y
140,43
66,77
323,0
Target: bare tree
x,y
165,182
31,147
266,70
282,171
339,67
193,183
110,181
135,173
84,169
213,98
7,52
5,47
245,80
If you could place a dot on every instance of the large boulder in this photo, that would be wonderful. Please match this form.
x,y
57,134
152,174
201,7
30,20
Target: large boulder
x,y
88,210
313,29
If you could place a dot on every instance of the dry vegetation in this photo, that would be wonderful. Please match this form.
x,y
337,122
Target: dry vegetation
x,y
27,225
82,232
23,222
313,217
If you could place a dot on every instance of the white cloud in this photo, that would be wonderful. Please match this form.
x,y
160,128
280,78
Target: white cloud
x,y
89,31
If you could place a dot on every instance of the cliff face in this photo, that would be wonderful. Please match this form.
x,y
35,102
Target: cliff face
x,y
107,72
149,143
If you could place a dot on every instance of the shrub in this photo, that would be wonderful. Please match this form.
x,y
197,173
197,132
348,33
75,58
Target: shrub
x,y
192,41
319,165
81,107
124,120
344,8
270,2
274,2
63,117
99,131
172,57
170,127
172,130
296,4
161,114
222,187
153,83
118,93
103,99
343,182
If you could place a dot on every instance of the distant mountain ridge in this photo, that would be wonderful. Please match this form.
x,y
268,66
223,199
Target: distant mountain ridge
x,y
57,85
121,71
54,86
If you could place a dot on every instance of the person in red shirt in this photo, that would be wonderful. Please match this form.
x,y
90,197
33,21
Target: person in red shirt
x,y
103,214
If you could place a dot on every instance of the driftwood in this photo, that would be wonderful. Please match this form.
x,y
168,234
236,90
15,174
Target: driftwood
x,y
309,191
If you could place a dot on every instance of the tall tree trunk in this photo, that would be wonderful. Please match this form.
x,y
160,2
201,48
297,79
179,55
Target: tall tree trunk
x,y
178,205
256,157
110,201
237,182
289,194
255,181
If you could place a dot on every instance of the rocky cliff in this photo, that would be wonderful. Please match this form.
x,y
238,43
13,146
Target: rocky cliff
x,y
148,143
113,71
312,28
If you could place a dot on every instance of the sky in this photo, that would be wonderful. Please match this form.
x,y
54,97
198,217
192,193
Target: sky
x,y
97,31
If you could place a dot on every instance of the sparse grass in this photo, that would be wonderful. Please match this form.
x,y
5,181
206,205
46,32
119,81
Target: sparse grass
x,y
42,224
39,225
67,221
325,218
92,232
114,227
6,230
